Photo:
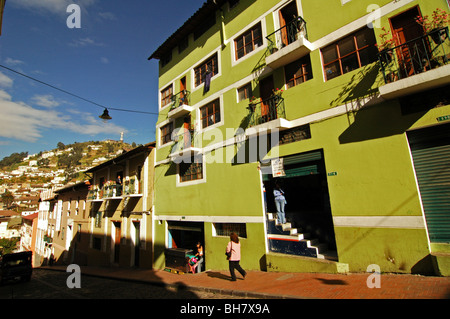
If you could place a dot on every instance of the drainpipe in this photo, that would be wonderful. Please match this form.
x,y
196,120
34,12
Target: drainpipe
x,y
223,36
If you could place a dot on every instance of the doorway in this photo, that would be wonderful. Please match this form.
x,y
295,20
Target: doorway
x,y
137,241
187,132
117,236
183,92
268,108
407,34
185,235
306,190
287,16
117,191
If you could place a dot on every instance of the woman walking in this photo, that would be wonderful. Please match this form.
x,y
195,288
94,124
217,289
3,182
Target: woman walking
x,y
234,256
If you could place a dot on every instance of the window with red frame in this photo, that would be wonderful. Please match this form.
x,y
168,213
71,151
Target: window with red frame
x,y
349,53
298,71
166,133
191,171
210,65
210,113
248,42
166,96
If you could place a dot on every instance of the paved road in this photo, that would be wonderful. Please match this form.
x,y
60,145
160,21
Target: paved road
x,y
47,284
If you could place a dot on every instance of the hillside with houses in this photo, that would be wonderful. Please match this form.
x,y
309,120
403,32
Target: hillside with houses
x,y
24,176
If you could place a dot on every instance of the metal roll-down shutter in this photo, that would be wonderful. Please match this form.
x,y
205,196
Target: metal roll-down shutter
x,y
430,148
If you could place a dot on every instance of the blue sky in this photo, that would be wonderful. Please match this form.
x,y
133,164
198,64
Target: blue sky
x,y
104,61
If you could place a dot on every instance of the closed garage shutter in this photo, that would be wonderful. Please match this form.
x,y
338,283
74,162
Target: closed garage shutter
x,y
430,148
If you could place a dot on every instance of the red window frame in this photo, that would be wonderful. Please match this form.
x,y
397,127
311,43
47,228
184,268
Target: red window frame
x,y
166,96
358,49
200,72
166,133
191,171
298,72
210,113
248,41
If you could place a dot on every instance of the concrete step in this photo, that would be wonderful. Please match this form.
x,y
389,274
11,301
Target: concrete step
x,y
283,238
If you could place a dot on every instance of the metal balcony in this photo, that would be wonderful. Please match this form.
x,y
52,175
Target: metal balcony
x,y
287,44
267,115
416,65
186,145
112,191
180,105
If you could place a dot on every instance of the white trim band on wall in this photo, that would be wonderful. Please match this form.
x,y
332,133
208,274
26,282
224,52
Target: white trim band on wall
x,y
407,222
212,219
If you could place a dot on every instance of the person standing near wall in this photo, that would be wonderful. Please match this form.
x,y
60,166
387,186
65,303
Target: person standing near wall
x,y
233,253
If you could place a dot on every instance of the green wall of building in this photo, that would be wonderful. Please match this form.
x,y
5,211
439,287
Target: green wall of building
x,y
366,152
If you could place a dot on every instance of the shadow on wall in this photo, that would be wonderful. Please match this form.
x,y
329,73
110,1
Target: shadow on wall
x,y
388,118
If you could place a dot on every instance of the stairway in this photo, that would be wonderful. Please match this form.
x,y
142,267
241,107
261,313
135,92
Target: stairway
x,y
287,240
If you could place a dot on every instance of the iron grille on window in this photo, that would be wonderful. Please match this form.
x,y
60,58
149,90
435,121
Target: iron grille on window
x,y
225,229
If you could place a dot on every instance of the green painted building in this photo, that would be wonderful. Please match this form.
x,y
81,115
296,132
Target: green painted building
x,y
343,103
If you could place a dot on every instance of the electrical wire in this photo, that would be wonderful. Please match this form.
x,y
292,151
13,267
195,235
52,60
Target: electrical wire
x,y
74,95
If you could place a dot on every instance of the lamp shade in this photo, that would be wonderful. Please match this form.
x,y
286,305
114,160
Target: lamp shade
x,y
105,115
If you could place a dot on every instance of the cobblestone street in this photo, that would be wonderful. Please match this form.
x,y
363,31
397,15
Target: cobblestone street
x,y
47,284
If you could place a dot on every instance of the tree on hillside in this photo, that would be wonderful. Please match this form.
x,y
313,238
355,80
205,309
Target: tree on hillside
x,y
63,160
110,148
7,198
14,158
8,245
43,162
61,146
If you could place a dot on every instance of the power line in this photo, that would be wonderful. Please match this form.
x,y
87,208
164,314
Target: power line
x,y
72,94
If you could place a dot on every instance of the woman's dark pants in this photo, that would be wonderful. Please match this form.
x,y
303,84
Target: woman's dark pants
x,y
235,265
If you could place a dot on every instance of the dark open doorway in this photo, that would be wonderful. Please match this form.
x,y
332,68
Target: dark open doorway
x,y
186,234
306,191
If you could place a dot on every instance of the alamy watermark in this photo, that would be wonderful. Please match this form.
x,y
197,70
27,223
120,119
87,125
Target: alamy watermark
x,y
374,280
74,279
234,146
74,19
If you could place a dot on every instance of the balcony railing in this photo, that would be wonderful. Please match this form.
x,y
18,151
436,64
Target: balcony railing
x,y
128,188
419,55
181,98
94,194
184,139
186,144
287,34
180,105
110,191
266,110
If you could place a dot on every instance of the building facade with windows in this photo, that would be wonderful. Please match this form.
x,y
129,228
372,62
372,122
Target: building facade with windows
x,y
69,226
344,106
119,208
44,251
103,221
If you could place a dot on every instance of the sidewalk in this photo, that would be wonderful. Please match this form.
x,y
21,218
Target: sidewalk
x,y
260,284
